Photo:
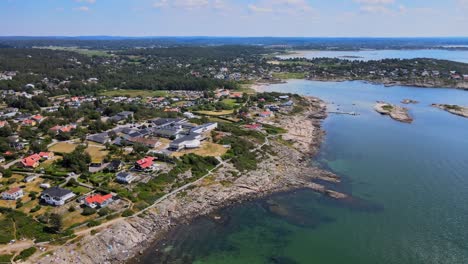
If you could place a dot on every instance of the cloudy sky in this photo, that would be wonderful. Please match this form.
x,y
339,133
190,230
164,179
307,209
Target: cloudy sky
x,y
311,18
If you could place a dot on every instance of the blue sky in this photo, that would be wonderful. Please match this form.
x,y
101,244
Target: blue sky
x,y
308,18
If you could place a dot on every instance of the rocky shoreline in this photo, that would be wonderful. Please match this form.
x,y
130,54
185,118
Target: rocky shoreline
x,y
285,166
453,109
396,112
390,83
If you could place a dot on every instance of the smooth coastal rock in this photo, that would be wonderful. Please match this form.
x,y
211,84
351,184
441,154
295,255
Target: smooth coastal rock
x,y
453,109
396,112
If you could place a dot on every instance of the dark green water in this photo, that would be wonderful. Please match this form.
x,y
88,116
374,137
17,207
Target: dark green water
x,y
410,184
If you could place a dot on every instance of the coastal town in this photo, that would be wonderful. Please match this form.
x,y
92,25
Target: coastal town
x,y
100,147
71,164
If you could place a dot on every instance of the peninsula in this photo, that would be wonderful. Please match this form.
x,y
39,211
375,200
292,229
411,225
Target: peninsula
x,y
282,158
454,109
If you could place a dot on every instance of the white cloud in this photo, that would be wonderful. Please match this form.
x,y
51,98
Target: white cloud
x,y
82,9
462,3
86,1
281,6
375,2
160,4
186,4
258,9
375,9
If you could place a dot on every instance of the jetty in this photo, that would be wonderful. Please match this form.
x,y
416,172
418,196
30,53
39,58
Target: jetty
x,y
343,113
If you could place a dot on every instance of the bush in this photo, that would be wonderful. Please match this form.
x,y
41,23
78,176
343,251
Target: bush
x,y
88,211
35,209
5,258
127,213
19,204
93,223
104,211
25,253
33,195
71,209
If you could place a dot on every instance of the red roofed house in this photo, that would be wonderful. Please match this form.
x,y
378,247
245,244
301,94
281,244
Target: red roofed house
x,y
236,95
55,128
98,200
3,123
29,122
145,164
37,118
31,161
254,126
266,114
63,129
13,194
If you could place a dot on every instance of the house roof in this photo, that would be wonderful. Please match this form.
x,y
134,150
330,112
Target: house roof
x,y
37,117
144,141
124,174
31,160
189,137
145,162
98,198
56,192
13,190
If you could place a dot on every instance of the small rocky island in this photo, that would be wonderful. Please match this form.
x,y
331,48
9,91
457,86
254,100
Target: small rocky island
x,y
454,109
396,112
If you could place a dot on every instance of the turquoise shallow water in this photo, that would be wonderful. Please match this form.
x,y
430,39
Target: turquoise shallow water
x,y
410,182
365,55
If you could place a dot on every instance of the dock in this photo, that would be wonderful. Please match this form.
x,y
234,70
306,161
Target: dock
x,y
343,113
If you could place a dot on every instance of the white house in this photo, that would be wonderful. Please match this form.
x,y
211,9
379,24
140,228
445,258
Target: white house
x,y
204,128
56,196
188,142
189,115
125,177
13,194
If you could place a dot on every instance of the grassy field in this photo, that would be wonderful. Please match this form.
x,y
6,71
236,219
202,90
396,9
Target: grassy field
x,y
230,102
246,88
87,52
215,113
62,147
97,153
135,93
289,75
206,149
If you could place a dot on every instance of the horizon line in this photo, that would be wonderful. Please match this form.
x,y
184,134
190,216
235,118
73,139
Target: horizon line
x,y
226,36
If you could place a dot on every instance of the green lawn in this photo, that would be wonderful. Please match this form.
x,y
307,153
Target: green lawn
x,y
289,75
87,52
230,102
135,93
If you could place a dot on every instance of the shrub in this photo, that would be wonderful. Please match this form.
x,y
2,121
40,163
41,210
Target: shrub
x,y
104,211
35,209
93,223
19,204
25,253
127,213
88,211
